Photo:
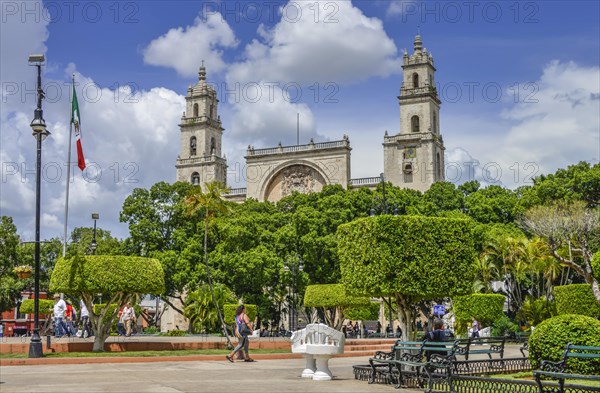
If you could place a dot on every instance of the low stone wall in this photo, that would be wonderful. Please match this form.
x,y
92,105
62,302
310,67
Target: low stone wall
x,y
133,343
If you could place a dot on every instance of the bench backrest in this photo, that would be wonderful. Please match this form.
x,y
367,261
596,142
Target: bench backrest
x,y
317,334
465,345
412,347
581,352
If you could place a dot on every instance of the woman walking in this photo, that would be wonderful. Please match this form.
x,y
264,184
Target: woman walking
x,y
243,328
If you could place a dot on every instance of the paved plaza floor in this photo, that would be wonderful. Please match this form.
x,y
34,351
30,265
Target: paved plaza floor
x,y
174,377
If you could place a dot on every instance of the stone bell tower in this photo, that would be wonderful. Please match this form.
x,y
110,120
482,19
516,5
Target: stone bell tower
x,y
414,158
199,159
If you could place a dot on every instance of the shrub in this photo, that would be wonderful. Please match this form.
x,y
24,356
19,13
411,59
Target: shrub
x,y
176,333
534,311
486,308
504,327
46,306
549,339
576,299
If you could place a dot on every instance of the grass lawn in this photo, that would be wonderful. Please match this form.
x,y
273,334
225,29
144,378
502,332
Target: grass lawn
x,y
181,352
528,375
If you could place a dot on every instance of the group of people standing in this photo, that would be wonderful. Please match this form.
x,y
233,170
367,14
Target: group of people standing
x,y
65,319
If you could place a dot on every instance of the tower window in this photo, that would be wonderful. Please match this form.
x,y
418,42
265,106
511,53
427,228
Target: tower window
x,y
438,166
195,110
414,123
415,78
195,178
213,147
434,125
193,146
211,114
407,171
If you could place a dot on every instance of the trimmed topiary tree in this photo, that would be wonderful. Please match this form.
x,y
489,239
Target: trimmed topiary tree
x,y
549,339
117,278
486,308
364,313
576,299
411,258
334,301
46,307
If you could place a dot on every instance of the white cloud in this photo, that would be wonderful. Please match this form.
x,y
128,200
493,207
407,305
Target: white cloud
x,y
319,42
126,144
184,48
554,127
401,7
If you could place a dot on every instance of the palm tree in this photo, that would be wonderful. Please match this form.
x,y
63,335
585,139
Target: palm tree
x,y
199,307
209,202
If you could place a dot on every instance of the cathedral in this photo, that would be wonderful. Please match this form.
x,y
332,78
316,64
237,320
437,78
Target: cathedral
x,y
413,158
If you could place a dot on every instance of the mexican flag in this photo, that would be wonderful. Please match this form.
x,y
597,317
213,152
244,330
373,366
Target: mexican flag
x,y
76,121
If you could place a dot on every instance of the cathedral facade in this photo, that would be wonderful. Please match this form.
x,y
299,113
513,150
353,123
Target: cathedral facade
x,y
413,158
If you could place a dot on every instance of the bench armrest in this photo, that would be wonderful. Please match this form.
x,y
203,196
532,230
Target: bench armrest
x,y
383,355
437,360
411,357
557,367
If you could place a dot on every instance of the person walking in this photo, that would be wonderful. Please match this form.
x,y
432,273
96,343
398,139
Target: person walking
x,y
86,330
243,328
60,329
475,328
127,318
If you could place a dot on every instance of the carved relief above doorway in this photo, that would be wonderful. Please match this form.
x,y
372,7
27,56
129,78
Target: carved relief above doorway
x,y
299,178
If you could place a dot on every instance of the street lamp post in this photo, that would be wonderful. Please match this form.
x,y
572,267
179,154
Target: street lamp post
x,y
95,216
385,211
294,269
38,125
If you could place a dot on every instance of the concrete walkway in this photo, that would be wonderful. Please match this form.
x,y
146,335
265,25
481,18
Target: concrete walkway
x,y
173,377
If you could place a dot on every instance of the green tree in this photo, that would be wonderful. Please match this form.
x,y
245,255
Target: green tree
x,y
570,230
10,287
492,204
156,217
208,202
442,196
81,238
117,278
333,300
412,258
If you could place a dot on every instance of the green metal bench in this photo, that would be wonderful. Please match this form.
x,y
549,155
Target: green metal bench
x,y
485,345
560,370
435,358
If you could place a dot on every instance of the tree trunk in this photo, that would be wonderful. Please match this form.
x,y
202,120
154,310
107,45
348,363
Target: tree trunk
x,y
405,316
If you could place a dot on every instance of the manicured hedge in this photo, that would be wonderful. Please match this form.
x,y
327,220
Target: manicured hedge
x,y
486,308
229,312
107,274
365,313
414,256
332,295
576,299
549,339
46,306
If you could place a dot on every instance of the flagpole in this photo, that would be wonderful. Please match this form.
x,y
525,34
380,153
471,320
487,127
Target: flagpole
x,y
68,174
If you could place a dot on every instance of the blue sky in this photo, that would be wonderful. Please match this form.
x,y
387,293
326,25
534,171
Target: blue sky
x,y
519,84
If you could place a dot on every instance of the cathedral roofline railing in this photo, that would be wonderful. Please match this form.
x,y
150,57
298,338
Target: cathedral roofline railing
x,y
410,91
199,119
413,136
236,191
344,143
365,181
200,160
